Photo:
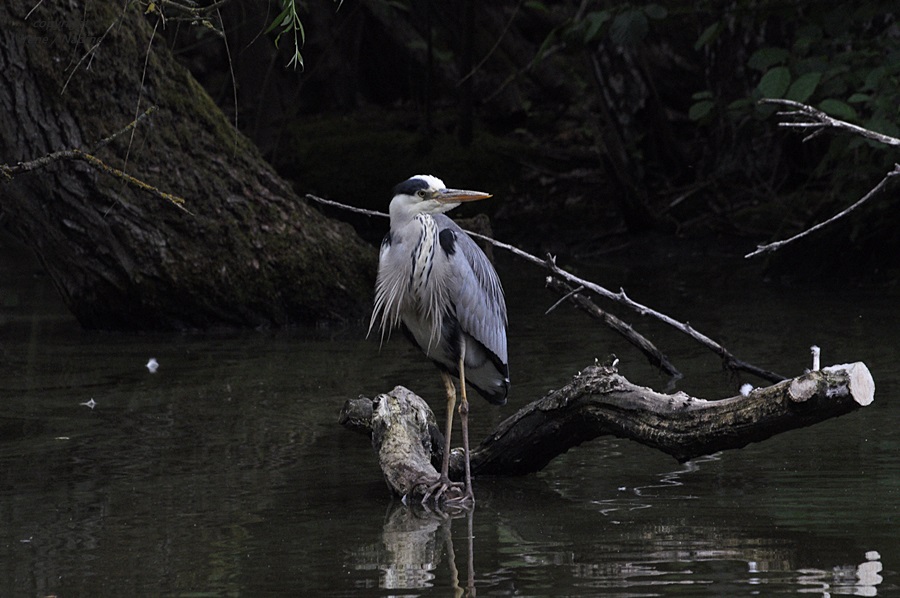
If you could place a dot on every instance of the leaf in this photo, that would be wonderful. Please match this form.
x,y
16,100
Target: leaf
x,y
803,87
545,46
595,20
701,110
764,58
709,34
629,28
702,95
740,104
837,109
538,6
775,82
277,21
295,61
873,79
858,98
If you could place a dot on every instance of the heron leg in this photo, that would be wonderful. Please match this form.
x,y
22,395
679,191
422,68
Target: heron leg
x,y
439,490
464,419
448,430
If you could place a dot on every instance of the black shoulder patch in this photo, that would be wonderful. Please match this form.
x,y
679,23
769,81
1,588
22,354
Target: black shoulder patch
x,y
410,186
447,239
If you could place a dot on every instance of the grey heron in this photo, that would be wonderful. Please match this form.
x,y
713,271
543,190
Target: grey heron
x,y
436,284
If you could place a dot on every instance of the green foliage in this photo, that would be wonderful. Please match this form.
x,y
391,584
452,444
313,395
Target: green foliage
x,y
288,23
843,60
840,58
680,85
626,25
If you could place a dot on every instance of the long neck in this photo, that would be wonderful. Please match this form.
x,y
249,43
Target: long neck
x,y
402,213
423,254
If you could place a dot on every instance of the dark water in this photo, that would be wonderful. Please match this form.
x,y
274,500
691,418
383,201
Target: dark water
x,y
225,473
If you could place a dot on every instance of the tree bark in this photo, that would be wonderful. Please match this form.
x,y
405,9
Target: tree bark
x,y
250,253
600,402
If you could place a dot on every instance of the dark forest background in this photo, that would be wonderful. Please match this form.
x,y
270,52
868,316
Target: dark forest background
x,y
591,121
594,124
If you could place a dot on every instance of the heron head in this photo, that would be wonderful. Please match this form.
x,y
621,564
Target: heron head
x,y
427,194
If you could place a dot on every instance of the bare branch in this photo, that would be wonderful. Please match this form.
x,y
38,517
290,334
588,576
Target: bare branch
x,y
729,360
807,116
338,204
8,172
133,124
653,355
769,247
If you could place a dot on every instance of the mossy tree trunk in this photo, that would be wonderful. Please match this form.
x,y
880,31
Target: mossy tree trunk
x,y
249,253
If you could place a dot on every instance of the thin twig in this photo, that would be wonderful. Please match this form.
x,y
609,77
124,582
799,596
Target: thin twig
x,y
8,172
338,204
90,52
137,107
76,154
500,37
33,8
195,11
234,88
105,141
768,247
818,120
654,355
565,297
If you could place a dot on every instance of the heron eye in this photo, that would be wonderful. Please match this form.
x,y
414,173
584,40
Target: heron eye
x,y
421,193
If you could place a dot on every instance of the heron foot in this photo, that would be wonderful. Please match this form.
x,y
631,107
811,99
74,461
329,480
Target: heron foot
x,y
463,501
446,491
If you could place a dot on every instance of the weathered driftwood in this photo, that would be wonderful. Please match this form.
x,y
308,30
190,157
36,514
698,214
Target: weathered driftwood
x,y
402,427
600,402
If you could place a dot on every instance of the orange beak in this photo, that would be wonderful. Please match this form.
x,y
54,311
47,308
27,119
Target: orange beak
x,y
459,195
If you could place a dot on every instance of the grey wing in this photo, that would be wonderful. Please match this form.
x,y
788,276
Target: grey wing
x,y
476,292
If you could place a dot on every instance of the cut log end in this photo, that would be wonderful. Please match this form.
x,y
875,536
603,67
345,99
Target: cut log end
x,y
859,381
848,379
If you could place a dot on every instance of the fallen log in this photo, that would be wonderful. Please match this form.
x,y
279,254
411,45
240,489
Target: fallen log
x,y
599,401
